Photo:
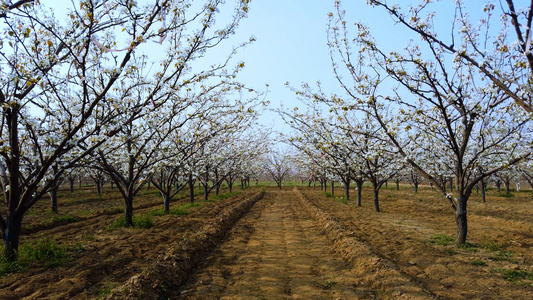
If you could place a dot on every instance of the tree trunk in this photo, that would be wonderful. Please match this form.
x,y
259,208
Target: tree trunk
x,y
347,190
12,235
451,184
53,198
416,187
359,188
460,219
483,188
98,187
166,203
376,199
332,188
397,185
71,181
128,212
191,189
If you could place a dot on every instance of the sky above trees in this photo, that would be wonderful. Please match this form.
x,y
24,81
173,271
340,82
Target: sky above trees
x,y
291,45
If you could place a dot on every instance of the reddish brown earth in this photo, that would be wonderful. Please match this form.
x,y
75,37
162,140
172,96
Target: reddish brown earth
x,y
292,244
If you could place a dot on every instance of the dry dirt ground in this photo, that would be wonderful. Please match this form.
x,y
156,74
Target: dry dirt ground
x,y
104,259
277,251
296,244
284,250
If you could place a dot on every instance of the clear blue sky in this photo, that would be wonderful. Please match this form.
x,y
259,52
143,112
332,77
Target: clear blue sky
x,y
291,47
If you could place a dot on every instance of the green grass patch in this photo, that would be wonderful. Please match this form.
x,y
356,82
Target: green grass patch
x,y
179,211
138,222
329,195
89,237
342,200
191,205
469,246
450,252
504,256
479,262
114,210
440,239
490,245
65,219
151,192
223,196
517,276
143,222
86,213
156,213
45,252
7,267
183,209
106,289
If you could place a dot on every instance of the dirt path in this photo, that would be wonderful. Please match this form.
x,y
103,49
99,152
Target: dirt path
x,y
275,252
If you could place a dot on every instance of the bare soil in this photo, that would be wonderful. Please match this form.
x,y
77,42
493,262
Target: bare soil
x,y
105,259
291,248
404,234
292,244
276,252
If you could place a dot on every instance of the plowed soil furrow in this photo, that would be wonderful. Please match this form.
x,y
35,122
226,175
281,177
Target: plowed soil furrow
x,y
107,258
401,235
275,252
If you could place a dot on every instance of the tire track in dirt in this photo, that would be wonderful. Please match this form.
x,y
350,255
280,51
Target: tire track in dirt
x,y
275,252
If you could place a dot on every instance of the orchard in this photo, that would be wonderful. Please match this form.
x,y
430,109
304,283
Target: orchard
x,y
131,127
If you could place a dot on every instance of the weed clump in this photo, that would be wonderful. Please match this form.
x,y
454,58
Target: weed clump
x,y
183,210
138,222
66,219
45,252
518,276
440,239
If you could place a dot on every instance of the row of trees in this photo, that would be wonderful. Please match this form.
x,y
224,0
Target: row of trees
x,y
118,86
455,105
